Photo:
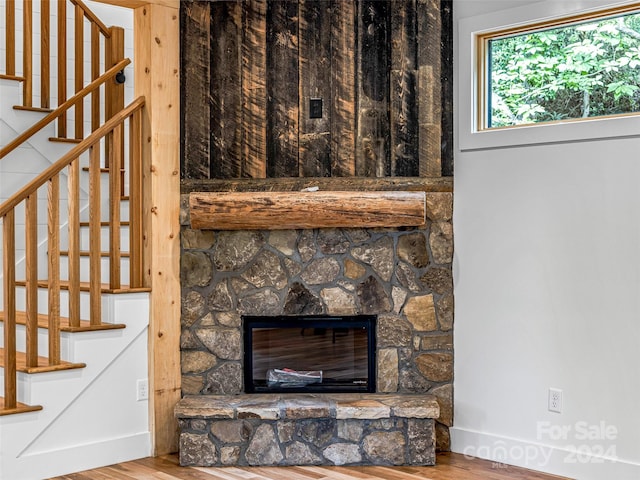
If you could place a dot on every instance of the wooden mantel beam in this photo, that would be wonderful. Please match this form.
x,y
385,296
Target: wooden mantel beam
x,y
299,210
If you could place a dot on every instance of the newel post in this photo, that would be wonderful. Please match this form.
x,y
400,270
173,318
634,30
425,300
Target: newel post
x,y
114,89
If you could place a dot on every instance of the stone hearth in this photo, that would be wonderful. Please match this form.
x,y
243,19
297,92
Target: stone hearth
x,y
402,275
297,429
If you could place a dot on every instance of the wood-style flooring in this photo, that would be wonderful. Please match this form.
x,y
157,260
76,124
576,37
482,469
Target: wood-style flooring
x,y
450,466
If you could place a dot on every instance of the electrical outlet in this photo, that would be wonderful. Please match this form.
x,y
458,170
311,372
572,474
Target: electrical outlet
x,y
142,390
555,400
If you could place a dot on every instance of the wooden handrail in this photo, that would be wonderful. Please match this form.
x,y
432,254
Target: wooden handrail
x,y
110,132
72,154
97,50
92,17
23,137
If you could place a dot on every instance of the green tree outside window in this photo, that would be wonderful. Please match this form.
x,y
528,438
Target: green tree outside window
x,y
576,71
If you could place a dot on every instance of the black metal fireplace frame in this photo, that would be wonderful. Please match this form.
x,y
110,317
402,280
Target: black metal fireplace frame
x,y
310,321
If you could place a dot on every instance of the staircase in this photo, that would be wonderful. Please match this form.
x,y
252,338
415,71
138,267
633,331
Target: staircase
x,y
74,306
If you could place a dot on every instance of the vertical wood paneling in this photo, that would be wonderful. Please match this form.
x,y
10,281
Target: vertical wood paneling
x,y
282,88
377,65
446,85
9,297
343,86
196,22
45,53
403,105
254,91
429,91
372,145
226,90
315,82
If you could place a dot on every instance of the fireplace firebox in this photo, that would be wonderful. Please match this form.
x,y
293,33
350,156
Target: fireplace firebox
x,y
328,354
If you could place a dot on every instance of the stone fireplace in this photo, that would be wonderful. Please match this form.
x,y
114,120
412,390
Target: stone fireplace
x,y
309,353
401,275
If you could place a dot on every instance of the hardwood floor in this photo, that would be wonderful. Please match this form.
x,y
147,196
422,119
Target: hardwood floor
x,y
450,466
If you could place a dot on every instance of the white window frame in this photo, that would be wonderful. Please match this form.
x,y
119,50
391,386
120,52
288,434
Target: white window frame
x,y
471,137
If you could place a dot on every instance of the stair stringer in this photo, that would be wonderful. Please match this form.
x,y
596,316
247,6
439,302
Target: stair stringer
x,y
91,416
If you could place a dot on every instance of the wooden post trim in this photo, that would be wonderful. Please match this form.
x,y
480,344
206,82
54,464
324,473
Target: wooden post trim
x,y
157,30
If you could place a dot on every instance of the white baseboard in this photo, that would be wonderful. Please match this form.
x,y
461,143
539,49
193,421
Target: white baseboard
x,y
78,458
587,464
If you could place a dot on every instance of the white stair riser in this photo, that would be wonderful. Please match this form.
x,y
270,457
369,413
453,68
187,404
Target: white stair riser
x,y
24,392
43,341
104,269
104,238
43,302
104,210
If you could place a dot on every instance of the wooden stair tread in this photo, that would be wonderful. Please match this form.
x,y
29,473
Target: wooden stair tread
x,y
85,325
19,408
84,287
32,109
4,76
65,140
43,364
86,253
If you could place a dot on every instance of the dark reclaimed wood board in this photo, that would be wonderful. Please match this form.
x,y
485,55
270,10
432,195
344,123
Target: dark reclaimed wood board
x,y
254,89
446,83
381,68
404,98
196,153
372,141
226,90
429,69
299,210
343,95
282,89
315,84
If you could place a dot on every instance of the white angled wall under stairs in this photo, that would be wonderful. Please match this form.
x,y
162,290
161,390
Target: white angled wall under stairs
x,y
92,416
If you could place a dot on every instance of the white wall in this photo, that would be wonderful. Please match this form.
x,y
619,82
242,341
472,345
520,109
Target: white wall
x,y
547,281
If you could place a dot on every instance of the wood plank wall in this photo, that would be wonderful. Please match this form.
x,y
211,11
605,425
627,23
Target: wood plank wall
x,y
381,68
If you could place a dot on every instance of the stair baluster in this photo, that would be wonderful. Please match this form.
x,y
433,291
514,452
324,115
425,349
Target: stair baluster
x,y
27,198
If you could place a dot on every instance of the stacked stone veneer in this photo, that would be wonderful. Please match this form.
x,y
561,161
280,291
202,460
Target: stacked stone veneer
x,y
402,275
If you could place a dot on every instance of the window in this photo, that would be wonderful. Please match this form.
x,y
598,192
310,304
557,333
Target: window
x,y
578,67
